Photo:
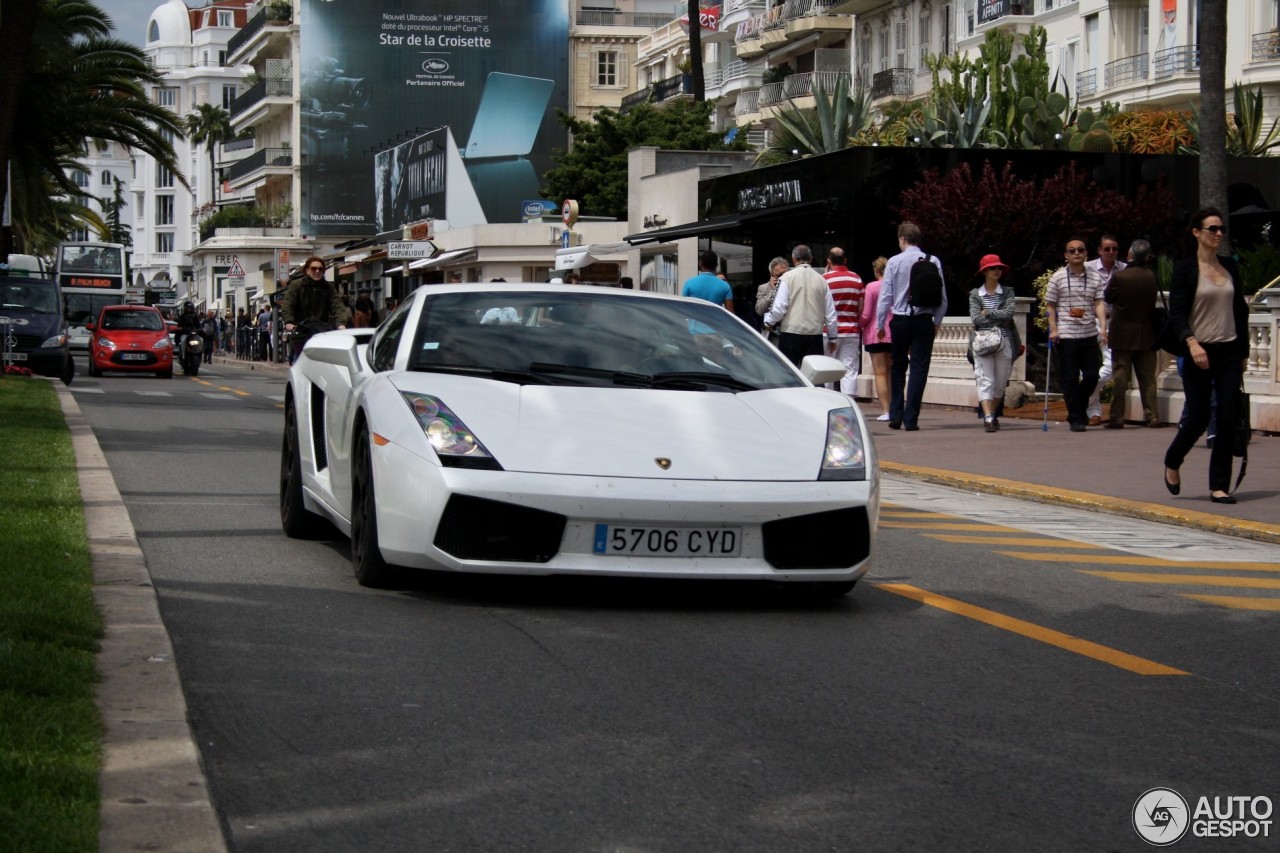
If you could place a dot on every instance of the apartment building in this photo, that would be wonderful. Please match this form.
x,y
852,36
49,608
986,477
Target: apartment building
x,y
189,48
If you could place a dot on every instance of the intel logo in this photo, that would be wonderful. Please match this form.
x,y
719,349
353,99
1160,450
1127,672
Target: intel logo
x,y
534,208
435,66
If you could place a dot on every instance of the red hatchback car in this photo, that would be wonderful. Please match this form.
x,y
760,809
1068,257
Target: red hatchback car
x,y
131,338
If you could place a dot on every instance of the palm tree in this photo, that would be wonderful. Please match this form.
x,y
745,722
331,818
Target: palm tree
x,y
209,125
694,10
79,87
1213,105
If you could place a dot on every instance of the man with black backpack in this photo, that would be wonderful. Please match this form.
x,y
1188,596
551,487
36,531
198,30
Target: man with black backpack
x,y
913,301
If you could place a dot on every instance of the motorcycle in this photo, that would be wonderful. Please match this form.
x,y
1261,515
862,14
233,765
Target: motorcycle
x,y
190,353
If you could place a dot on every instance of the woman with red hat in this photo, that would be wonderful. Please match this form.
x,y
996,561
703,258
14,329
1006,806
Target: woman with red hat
x,y
991,307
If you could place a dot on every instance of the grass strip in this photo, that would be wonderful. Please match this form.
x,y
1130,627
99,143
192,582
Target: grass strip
x,y
50,731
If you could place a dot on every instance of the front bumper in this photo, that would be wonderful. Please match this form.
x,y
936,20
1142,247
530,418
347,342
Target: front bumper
x,y
418,527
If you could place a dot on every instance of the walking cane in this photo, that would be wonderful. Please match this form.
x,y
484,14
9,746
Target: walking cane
x,y
1048,369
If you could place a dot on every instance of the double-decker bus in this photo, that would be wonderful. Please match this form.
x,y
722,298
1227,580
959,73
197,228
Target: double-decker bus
x,y
91,275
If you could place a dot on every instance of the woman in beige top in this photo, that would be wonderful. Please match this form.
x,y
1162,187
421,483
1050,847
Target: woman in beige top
x,y
1207,307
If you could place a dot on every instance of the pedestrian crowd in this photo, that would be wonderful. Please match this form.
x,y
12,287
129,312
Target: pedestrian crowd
x,y
1104,324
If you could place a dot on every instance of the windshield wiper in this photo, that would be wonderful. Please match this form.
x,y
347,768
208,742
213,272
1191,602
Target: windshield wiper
x,y
696,379
618,377
519,377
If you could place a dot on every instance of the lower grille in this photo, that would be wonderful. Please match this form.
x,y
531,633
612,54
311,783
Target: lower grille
x,y
481,529
839,539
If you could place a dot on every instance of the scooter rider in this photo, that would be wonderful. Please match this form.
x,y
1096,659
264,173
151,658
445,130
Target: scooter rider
x,y
313,297
188,321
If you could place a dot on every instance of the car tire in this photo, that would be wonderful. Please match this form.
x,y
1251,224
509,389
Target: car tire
x,y
298,521
165,374
831,589
366,557
93,368
69,371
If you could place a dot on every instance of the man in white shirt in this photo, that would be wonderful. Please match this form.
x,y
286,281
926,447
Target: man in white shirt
x,y
802,309
913,330
1107,262
1077,320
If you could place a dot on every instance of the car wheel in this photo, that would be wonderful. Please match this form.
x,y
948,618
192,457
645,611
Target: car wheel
x,y
366,557
165,374
93,368
298,522
69,371
831,589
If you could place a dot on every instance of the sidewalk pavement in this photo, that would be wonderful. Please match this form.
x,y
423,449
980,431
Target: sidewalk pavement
x,y
1117,471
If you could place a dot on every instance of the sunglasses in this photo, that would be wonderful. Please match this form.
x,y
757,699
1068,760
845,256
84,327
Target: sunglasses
x,y
1215,229
1074,251
315,269
1110,248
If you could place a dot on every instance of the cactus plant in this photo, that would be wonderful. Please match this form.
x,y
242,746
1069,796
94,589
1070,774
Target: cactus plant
x,y
1098,141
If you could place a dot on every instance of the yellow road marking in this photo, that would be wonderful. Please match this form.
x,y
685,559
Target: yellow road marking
x,y
234,391
904,513
1238,602
941,525
1010,540
1105,654
1203,580
1135,560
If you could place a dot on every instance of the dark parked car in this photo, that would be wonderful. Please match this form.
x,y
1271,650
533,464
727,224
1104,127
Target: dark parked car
x,y
35,334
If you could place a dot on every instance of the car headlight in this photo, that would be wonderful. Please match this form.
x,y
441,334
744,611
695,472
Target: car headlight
x,y
55,341
454,443
163,343
845,457
106,343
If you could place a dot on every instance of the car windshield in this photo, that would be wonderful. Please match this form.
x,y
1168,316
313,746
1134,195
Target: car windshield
x,y
559,338
148,321
40,298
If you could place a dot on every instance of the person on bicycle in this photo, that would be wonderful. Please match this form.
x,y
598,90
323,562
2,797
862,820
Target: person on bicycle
x,y
313,297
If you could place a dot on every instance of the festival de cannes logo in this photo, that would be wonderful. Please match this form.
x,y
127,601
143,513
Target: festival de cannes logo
x,y
1161,816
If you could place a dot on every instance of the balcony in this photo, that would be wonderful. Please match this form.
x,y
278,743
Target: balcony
x,y
656,93
1177,60
855,7
804,85
772,93
893,83
258,163
1122,72
1087,84
734,77
758,33
665,37
1265,47
802,17
748,104
267,93
606,18
271,24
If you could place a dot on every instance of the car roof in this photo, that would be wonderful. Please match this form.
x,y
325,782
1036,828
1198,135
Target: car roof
x,y
543,288
130,308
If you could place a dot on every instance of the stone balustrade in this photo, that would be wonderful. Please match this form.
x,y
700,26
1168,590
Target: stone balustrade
x,y
951,376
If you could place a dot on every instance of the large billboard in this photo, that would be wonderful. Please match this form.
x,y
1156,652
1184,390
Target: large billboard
x,y
376,75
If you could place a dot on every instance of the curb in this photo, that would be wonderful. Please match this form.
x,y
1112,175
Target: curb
x,y
152,788
1256,530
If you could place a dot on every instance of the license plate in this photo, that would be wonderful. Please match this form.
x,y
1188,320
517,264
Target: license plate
x,y
133,356
15,356
626,541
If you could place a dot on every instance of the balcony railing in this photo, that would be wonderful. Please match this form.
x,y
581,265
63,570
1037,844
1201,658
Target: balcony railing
x,y
1087,84
258,160
1176,60
804,85
681,84
260,90
799,8
756,24
772,93
606,18
1131,69
1266,46
269,14
639,97
893,82
747,103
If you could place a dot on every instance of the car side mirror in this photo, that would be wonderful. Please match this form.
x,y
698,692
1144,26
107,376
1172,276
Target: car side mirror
x,y
821,369
89,326
339,348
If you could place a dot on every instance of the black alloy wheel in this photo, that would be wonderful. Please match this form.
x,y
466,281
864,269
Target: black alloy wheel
x,y
298,522
366,557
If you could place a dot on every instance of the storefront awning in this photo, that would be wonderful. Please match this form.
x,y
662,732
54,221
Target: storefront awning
x,y
457,255
393,270
577,257
719,224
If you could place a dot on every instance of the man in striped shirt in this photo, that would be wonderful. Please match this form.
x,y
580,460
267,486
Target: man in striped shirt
x,y
846,292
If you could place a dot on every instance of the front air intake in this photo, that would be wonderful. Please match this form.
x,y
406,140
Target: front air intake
x,y
474,528
839,539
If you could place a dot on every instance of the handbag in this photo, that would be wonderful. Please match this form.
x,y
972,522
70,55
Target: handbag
x,y
1242,437
986,341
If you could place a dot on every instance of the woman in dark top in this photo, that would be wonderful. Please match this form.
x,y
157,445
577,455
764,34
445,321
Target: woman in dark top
x,y
1207,307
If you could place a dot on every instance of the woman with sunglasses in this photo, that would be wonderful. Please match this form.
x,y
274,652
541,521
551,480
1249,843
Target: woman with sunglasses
x,y
1206,305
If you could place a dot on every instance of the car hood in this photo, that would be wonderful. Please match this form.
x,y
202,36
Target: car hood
x,y
24,322
133,337
776,434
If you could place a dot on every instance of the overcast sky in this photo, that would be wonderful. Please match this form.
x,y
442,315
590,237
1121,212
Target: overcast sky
x,y
130,17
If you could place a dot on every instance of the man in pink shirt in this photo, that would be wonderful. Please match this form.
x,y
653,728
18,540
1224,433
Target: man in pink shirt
x,y
846,291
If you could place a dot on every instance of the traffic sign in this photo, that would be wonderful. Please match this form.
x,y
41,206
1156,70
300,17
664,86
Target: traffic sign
x,y
405,250
236,269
